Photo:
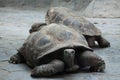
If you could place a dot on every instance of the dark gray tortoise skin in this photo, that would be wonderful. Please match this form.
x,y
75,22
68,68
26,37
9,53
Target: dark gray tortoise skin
x,y
36,26
53,50
62,15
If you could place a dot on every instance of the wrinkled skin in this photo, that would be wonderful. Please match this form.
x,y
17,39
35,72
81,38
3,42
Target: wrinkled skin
x,y
36,27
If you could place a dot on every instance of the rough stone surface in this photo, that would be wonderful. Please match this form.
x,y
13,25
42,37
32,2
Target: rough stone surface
x,y
14,27
89,8
74,4
103,8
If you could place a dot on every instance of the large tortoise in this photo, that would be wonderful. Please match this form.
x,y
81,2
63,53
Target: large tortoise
x,y
67,17
53,49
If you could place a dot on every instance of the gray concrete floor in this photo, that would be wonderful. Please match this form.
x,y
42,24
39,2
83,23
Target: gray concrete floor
x,y
14,26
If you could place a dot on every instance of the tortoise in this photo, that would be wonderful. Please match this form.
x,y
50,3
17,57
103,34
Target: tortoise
x,y
53,50
66,16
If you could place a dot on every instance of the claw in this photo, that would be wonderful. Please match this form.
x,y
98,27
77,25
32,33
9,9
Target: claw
x,y
13,62
14,59
99,67
10,61
98,70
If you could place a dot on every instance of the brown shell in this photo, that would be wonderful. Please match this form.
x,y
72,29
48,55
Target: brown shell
x,y
67,17
49,39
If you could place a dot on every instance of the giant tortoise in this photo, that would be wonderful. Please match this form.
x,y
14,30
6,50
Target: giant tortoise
x,y
62,15
53,50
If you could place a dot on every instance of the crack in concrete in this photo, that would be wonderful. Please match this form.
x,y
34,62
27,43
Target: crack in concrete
x,y
10,71
4,60
5,70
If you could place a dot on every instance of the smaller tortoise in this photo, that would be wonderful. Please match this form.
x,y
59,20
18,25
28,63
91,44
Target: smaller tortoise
x,y
62,15
53,49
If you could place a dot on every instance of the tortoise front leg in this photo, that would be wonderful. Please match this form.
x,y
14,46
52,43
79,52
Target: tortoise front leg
x,y
17,58
88,58
91,41
49,69
36,27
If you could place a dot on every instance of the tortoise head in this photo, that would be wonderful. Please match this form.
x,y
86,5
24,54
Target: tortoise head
x,y
50,15
69,55
69,52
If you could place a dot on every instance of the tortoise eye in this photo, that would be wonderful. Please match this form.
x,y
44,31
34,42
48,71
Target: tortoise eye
x,y
65,51
73,52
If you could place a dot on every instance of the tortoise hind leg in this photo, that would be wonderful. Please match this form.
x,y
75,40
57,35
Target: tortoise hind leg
x,y
102,42
17,58
49,69
92,60
91,41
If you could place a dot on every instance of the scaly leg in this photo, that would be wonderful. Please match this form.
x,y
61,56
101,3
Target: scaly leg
x,y
102,42
91,41
17,58
88,58
49,69
36,27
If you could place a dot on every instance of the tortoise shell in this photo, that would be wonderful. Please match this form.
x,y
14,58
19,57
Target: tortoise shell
x,y
50,39
62,15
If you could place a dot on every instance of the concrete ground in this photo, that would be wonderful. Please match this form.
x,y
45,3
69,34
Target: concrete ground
x,y
14,26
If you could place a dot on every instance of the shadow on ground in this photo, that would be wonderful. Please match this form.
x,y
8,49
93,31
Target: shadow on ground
x,y
14,26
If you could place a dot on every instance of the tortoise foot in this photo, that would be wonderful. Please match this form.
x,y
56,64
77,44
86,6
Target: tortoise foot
x,y
41,71
103,42
49,69
15,59
99,67
73,69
